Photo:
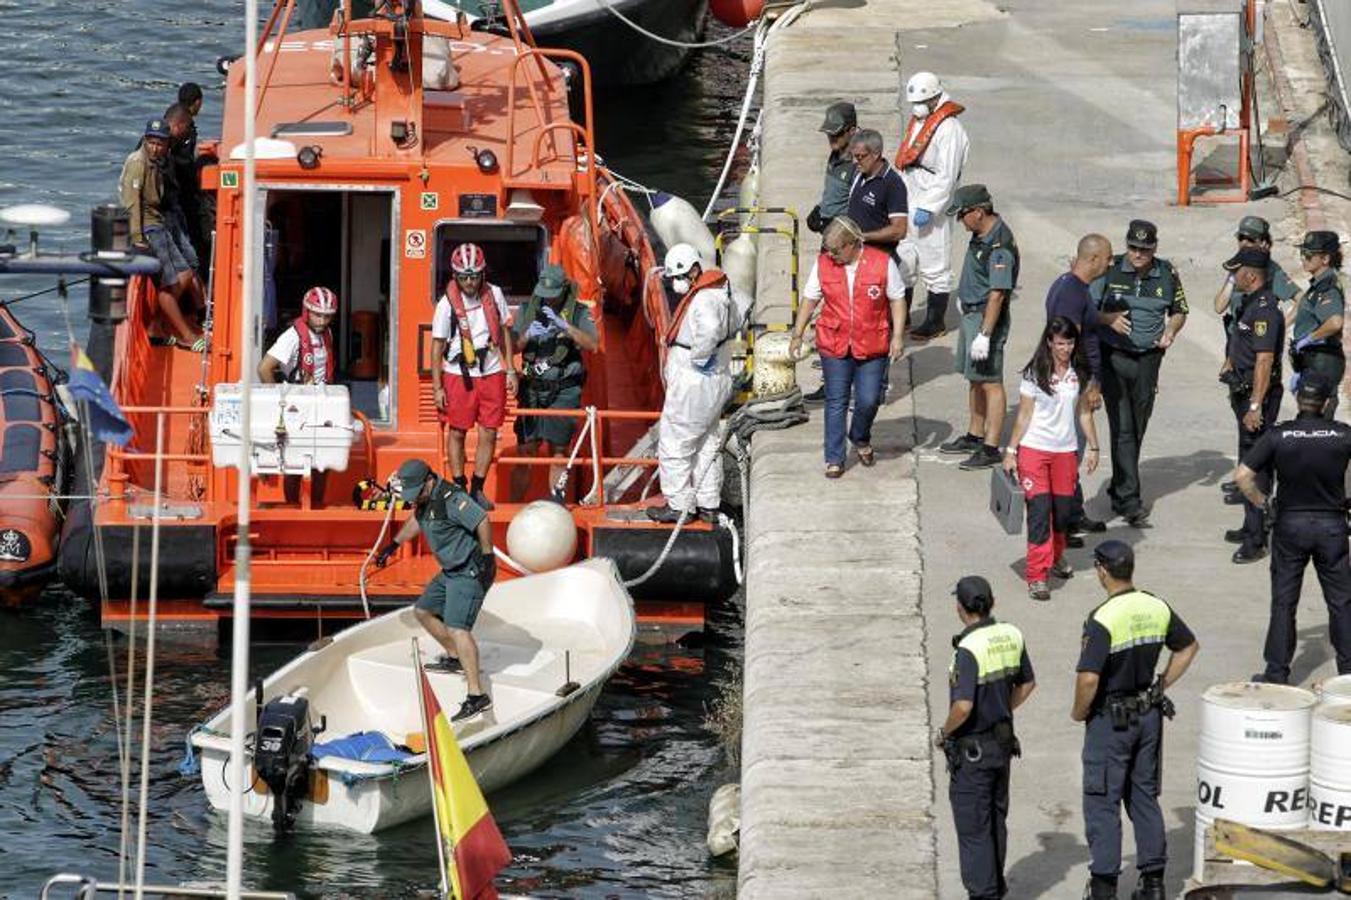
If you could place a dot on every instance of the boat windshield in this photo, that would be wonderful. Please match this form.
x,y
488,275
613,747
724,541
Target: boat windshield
x,y
514,254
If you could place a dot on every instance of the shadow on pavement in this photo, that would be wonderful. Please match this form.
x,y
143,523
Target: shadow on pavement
x,y
1164,475
1037,874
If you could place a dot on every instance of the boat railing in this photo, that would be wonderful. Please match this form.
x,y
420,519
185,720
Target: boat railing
x,y
583,133
122,460
593,432
86,888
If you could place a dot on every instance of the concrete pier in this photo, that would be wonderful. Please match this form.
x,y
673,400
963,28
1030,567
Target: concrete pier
x,y
1071,112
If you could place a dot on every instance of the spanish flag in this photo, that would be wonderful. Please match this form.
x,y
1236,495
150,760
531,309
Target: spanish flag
x,y
474,848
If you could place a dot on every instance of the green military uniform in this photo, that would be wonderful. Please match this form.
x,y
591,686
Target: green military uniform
x,y
449,520
1277,281
1130,363
552,370
1323,301
991,264
840,172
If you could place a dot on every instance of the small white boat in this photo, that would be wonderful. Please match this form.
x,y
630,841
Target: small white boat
x,y
364,681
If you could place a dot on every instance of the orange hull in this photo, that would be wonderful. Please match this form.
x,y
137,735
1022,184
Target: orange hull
x,y
401,177
29,466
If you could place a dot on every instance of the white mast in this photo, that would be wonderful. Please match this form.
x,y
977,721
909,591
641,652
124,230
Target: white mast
x,y
239,680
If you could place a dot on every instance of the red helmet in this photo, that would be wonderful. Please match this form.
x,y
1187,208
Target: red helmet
x,y
321,300
467,259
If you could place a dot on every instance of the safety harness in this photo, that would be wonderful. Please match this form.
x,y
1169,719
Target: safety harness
x,y
713,278
459,323
303,373
911,152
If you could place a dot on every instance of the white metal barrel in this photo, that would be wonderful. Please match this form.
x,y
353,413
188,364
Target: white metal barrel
x,y
1330,766
1252,762
1336,688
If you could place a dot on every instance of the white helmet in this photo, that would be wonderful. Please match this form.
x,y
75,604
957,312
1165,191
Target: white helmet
x,y
922,86
680,259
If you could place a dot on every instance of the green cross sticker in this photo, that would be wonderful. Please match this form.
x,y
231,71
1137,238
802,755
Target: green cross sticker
x,y
430,200
229,179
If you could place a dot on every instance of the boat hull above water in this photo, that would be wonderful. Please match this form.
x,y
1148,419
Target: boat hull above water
x,y
364,681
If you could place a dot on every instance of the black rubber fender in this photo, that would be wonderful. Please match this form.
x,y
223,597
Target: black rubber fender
x,y
187,558
699,567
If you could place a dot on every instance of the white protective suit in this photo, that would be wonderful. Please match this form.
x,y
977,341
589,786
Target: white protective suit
x,y
924,252
698,385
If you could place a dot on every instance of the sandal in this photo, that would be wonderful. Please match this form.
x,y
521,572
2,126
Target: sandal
x,y
834,470
866,456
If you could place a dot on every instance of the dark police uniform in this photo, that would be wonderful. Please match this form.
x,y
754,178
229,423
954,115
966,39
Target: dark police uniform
x,y
991,264
873,201
1323,300
1276,280
1123,738
1260,330
988,661
449,521
1130,363
1308,456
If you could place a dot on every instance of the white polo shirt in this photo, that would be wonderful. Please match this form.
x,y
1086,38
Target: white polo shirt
x,y
478,326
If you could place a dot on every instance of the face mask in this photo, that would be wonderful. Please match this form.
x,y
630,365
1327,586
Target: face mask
x,y
921,110
680,285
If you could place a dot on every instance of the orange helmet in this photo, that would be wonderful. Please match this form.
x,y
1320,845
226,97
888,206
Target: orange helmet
x,y
321,300
467,259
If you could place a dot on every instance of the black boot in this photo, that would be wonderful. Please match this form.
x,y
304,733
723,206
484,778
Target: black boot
x,y
1100,887
1150,887
935,313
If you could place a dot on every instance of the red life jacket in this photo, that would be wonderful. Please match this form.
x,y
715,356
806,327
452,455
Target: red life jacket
x,y
488,299
857,324
911,151
709,279
304,370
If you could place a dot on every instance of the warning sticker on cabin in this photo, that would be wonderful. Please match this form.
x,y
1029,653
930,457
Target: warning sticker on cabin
x,y
415,243
431,201
229,179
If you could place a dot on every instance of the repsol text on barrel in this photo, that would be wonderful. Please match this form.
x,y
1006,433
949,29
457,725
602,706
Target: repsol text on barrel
x,y
1276,801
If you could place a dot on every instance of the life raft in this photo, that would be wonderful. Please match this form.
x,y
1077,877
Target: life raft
x,y
31,465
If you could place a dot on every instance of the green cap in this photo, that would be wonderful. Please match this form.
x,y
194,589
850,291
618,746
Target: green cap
x,y
552,282
1142,234
839,116
968,196
1254,227
1320,242
411,476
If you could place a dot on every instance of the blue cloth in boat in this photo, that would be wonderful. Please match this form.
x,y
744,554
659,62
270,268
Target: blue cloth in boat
x,y
366,746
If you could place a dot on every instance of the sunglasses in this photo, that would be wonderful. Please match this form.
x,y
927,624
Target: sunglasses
x,y
1248,239
861,155
469,276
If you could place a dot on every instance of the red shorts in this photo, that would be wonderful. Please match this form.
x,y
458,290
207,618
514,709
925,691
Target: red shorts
x,y
484,402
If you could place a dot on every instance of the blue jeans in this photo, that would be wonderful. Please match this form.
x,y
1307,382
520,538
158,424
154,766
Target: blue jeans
x,y
863,378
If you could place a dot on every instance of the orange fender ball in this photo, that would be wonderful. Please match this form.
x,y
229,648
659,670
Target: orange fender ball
x,y
736,13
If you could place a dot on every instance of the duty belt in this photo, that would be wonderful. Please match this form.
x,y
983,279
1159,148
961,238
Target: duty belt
x,y
1126,707
970,748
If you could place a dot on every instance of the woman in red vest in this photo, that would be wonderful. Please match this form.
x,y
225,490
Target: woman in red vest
x,y
860,332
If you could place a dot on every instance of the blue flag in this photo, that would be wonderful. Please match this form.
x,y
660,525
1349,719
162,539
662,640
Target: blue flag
x,y
106,421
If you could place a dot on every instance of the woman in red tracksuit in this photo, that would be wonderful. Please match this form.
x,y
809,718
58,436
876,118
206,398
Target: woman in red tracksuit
x,y
1042,451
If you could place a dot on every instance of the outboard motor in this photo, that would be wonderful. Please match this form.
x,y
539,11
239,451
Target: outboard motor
x,y
281,754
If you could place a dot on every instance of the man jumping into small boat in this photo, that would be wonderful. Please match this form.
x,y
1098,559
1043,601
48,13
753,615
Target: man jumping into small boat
x,y
304,354
461,537
471,335
143,191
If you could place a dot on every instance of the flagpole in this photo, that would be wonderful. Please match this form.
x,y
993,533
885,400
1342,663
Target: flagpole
x,y
429,731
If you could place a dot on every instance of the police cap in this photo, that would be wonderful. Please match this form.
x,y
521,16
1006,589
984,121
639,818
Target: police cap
x,y
839,116
411,475
974,594
1142,234
969,196
1314,387
551,282
1320,242
1254,227
1253,257
158,128
1114,553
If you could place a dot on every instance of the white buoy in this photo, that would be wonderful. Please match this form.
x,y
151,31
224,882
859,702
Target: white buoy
x,y
1252,763
748,195
738,261
724,819
1338,687
677,222
542,536
1330,767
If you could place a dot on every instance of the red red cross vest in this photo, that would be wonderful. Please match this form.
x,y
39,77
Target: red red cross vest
x,y
911,152
857,324
304,370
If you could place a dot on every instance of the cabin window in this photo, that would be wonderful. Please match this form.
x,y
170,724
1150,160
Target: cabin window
x,y
515,253
340,240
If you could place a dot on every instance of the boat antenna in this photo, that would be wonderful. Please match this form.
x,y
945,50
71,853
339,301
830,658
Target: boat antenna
x,y
239,672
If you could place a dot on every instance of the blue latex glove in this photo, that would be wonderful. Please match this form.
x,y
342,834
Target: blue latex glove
x,y
554,318
537,330
1294,382
1303,342
922,217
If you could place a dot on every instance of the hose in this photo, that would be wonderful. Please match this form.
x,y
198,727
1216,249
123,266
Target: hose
x,y
370,555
